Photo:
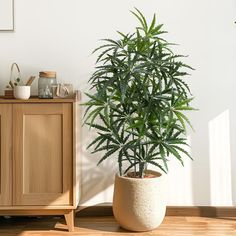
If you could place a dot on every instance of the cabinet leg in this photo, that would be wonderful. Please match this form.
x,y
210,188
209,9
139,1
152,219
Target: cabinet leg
x,y
69,217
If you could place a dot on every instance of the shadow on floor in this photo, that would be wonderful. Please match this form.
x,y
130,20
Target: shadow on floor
x,y
22,226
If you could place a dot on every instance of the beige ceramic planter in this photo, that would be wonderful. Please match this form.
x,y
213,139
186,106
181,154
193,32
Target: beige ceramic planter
x,y
139,204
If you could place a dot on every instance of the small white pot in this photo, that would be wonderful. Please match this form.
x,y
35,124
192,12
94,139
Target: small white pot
x,y
22,92
139,204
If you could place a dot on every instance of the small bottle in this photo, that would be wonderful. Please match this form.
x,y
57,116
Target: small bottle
x,y
47,79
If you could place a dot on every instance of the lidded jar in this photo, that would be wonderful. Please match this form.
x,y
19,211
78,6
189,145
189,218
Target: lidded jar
x,y
47,79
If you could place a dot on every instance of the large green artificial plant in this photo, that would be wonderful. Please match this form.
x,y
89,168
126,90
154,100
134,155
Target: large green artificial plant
x,y
139,101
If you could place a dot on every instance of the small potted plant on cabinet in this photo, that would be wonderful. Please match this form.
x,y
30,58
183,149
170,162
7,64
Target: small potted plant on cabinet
x,y
138,111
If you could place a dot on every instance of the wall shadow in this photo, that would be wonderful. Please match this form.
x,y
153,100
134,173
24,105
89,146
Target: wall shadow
x,y
200,166
95,179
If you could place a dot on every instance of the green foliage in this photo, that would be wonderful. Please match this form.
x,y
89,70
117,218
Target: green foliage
x,y
140,100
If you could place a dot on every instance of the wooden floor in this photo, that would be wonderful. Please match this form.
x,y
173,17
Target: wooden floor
x,y
172,226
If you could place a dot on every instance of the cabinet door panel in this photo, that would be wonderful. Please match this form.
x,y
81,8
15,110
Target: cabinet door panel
x,y
42,154
5,155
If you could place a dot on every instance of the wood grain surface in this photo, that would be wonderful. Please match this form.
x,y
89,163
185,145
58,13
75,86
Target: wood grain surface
x,y
172,226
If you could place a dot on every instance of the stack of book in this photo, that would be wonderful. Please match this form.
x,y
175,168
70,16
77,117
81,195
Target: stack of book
x,y
8,94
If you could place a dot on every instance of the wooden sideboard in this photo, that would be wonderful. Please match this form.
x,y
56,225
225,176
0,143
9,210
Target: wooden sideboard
x,y
39,160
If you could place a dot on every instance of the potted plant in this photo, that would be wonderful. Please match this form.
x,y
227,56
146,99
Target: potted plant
x,y
16,88
138,112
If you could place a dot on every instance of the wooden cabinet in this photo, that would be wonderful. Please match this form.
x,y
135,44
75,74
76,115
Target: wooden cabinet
x,y
38,157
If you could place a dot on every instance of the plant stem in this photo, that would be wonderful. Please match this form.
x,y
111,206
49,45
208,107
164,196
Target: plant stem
x,y
141,169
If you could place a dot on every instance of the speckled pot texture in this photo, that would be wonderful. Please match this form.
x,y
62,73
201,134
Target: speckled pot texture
x,y
139,204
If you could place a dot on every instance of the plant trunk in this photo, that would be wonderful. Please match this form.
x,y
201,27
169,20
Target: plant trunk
x,y
141,169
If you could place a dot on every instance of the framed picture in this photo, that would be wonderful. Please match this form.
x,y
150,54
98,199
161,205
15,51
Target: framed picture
x,y
6,15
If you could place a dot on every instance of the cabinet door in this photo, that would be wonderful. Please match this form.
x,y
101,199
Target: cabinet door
x,y
5,155
42,154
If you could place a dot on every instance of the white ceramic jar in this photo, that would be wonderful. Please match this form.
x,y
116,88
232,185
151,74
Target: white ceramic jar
x,y
22,92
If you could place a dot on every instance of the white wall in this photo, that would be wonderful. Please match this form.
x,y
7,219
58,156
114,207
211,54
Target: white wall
x,y
60,35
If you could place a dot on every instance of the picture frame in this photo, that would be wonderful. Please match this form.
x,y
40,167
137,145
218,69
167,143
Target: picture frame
x,y
7,15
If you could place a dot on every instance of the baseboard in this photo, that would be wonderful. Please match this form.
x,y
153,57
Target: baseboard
x,y
203,211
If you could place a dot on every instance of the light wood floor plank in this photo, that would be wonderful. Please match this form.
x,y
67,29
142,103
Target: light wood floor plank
x,y
104,226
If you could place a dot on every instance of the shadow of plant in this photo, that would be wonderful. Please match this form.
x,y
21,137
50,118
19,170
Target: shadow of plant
x,y
95,179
